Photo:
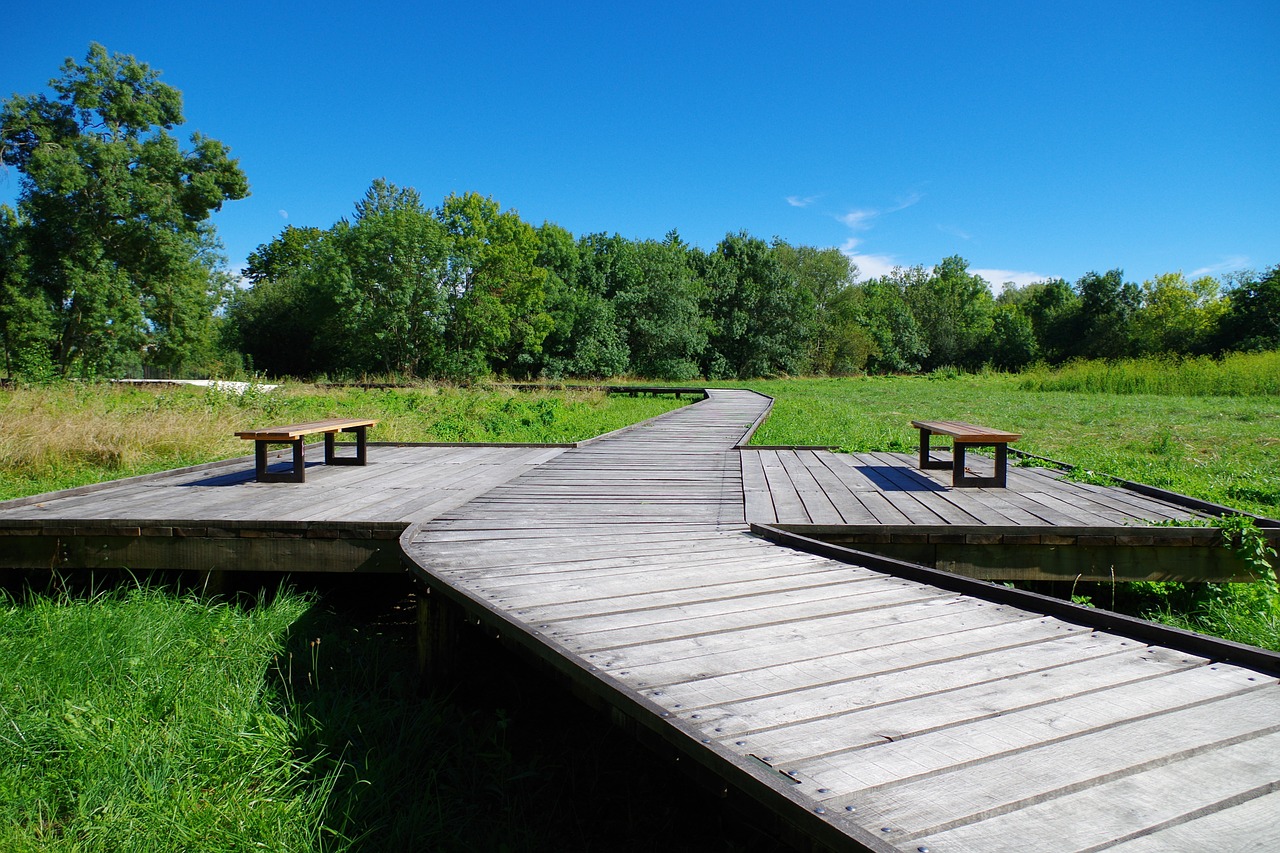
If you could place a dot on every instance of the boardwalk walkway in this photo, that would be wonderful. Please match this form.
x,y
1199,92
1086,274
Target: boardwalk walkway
x,y
867,710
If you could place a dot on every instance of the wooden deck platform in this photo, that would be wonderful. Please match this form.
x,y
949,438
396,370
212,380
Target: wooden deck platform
x,y
1043,526
865,704
215,517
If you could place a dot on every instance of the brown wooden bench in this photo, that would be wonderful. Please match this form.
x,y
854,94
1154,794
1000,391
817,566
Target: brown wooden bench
x,y
295,434
964,436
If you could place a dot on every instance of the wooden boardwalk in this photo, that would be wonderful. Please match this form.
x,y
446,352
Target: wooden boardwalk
x,y
865,704
866,710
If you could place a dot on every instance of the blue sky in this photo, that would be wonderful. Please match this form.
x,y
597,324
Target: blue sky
x,y
1034,140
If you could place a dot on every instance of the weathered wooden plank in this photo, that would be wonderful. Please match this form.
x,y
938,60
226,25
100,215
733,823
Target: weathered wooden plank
x,y
687,659
1024,777
611,632
920,735
1249,825
1164,797
1072,659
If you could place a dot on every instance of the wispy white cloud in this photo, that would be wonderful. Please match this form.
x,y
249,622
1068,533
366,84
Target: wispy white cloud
x,y
801,201
1228,264
859,220
906,201
955,232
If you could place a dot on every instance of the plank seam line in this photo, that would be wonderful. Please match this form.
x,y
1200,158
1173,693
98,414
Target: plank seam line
x,y
862,650
772,624
851,598
592,563
476,583
739,597
938,693
929,617
1101,779
964,765
922,665
1204,811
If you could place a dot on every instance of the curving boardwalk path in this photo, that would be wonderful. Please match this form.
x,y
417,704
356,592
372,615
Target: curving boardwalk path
x,y
865,710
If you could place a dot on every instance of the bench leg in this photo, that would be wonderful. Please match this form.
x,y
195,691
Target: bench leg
x,y
331,456
925,461
960,480
297,475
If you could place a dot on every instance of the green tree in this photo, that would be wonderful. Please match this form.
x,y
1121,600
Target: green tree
x,y
497,293
759,312
113,215
1053,308
284,320
1107,307
953,308
1176,315
827,275
1013,339
1252,319
584,338
655,297
897,343
387,273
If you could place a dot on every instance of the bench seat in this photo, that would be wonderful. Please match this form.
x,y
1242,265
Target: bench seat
x,y
963,436
295,434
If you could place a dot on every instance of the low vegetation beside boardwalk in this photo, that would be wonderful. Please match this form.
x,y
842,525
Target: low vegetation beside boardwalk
x,y
152,719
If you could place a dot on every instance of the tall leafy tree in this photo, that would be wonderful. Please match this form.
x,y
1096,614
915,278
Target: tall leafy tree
x,y
497,292
584,338
284,321
1177,316
1053,308
113,214
827,275
953,308
759,312
1252,320
387,271
1107,307
897,343
655,297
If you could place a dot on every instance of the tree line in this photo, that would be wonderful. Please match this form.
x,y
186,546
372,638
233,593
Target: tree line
x,y
109,265
464,289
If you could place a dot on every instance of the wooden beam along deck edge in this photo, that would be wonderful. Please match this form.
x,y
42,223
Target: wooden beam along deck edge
x,y
992,534
1153,633
767,786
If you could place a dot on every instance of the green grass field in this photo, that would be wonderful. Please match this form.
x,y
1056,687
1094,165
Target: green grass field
x,y
151,719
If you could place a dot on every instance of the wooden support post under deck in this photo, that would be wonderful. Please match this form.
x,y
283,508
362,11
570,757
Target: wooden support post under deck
x,y
439,625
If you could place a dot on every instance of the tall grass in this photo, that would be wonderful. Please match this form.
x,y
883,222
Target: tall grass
x,y
75,433
1235,375
143,721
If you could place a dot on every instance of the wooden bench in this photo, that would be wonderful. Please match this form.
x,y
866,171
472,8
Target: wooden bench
x,y
964,436
295,434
